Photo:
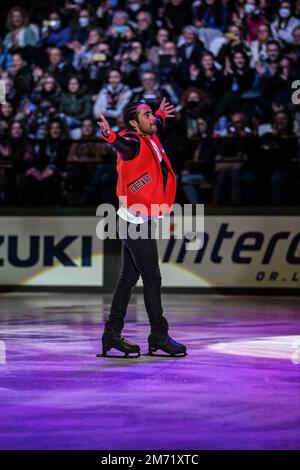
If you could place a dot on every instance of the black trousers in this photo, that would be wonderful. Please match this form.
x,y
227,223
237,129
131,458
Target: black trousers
x,y
139,257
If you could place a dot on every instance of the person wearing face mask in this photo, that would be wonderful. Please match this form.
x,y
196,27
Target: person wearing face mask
x,y
83,23
53,33
283,26
71,9
253,19
134,7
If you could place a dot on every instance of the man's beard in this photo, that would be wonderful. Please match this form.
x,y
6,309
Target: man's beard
x,y
150,131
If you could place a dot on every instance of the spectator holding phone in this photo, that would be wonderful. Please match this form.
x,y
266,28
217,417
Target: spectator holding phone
x,y
54,33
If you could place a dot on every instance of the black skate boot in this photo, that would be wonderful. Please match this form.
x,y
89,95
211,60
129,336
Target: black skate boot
x,y
165,344
113,340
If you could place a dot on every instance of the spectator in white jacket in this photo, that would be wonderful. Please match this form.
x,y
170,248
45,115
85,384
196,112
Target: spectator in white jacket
x,y
112,97
258,48
284,25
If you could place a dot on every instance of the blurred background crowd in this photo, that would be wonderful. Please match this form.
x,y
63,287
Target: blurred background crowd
x,y
229,67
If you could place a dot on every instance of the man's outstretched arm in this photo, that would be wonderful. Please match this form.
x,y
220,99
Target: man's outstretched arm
x,y
128,147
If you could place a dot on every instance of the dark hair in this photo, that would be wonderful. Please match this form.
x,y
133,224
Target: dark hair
x,y
130,112
290,123
63,127
113,69
273,42
82,89
243,54
15,121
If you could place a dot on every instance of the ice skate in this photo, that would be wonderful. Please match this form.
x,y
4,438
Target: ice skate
x,y
113,340
165,344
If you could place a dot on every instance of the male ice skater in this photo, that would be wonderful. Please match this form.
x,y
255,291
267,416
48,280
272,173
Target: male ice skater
x,y
145,177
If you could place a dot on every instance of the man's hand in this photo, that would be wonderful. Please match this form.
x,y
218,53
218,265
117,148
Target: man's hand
x,y
104,126
167,108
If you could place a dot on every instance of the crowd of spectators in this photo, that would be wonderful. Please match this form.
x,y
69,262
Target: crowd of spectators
x,y
229,67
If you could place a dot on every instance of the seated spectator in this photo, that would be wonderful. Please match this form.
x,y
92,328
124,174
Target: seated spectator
x,y
46,89
274,165
133,64
112,97
76,105
122,43
211,14
16,153
239,78
93,59
199,168
284,24
194,103
59,67
7,113
104,12
6,170
133,7
207,77
37,121
118,27
41,182
21,32
273,57
70,8
85,20
21,148
84,53
169,71
253,19
5,58
226,46
293,50
10,92
161,38
258,48
146,29
266,70
189,46
178,14
5,155
237,13
277,88
283,178
21,76
54,33
101,187
82,157
99,64
150,92
234,183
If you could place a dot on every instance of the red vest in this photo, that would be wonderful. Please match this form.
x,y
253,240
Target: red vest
x,y
141,180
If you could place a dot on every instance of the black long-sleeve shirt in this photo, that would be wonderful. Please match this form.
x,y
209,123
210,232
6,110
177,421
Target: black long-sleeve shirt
x,y
128,147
